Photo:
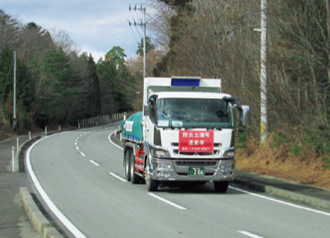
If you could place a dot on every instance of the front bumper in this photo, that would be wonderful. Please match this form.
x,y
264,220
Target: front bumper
x,y
178,169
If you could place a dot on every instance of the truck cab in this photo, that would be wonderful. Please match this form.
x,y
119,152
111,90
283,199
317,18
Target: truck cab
x,y
189,132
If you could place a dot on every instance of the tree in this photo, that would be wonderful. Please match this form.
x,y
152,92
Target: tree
x,y
107,76
62,40
119,85
116,56
34,42
149,46
54,88
178,23
54,85
6,72
93,95
216,39
159,24
177,3
9,30
24,88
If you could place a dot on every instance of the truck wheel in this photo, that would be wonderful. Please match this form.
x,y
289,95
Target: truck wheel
x,y
152,185
221,186
134,177
127,165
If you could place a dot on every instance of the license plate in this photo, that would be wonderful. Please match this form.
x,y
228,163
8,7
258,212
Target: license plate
x,y
199,171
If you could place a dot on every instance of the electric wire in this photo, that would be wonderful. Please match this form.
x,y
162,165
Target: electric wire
x,y
137,21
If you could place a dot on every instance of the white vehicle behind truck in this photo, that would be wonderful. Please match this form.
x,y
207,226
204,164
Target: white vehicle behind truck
x,y
186,133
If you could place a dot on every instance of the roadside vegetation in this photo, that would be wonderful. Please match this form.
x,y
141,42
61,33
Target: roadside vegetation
x,y
56,84
214,39
217,39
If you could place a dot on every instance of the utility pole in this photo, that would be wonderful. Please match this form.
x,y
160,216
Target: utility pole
x,y
144,25
327,5
263,73
144,42
14,99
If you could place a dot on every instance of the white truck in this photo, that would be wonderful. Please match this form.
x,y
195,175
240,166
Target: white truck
x,y
186,133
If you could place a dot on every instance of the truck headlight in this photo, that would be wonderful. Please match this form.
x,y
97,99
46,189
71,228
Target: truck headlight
x,y
227,166
159,152
229,153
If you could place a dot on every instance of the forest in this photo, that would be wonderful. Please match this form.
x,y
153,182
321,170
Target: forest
x,y
55,84
211,39
218,39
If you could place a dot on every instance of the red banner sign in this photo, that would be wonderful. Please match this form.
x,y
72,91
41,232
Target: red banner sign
x,y
196,141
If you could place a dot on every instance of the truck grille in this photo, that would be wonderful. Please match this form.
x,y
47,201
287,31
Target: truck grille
x,y
196,162
186,174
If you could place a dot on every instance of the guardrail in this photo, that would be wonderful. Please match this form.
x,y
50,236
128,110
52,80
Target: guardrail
x,y
103,119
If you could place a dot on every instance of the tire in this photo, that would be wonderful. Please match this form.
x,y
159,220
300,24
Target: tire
x,y
221,186
127,165
152,185
134,177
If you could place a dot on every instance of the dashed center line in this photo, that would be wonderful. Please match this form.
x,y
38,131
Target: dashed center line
x,y
82,154
249,234
167,201
93,162
117,177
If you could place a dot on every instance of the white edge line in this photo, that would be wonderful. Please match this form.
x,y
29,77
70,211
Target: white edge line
x,y
65,221
249,234
117,177
109,138
93,162
253,194
281,202
167,201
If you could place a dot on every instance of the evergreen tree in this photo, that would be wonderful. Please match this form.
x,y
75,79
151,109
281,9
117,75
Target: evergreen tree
x,y
149,46
107,77
6,72
54,89
116,56
94,96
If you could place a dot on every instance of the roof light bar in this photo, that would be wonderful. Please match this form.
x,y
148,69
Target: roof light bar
x,y
185,82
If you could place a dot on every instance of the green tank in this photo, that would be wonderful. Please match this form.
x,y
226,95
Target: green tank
x,y
132,127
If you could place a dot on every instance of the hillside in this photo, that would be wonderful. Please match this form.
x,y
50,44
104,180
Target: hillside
x,y
279,162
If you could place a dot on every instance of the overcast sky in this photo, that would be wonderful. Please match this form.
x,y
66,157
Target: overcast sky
x,y
94,26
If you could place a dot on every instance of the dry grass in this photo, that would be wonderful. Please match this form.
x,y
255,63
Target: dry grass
x,y
276,161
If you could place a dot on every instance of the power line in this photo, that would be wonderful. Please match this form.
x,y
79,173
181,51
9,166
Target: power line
x,y
133,31
134,23
144,25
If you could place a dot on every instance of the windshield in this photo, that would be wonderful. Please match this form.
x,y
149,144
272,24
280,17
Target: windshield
x,y
194,113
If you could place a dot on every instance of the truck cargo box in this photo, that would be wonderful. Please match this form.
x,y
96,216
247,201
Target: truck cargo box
x,y
132,127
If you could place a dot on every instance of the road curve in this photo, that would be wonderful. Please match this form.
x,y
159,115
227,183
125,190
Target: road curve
x,y
80,176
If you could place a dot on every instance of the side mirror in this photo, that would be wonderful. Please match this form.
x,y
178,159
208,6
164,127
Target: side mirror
x,y
244,112
146,110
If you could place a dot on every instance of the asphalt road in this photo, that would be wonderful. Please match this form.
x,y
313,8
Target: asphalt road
x,y
79,175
